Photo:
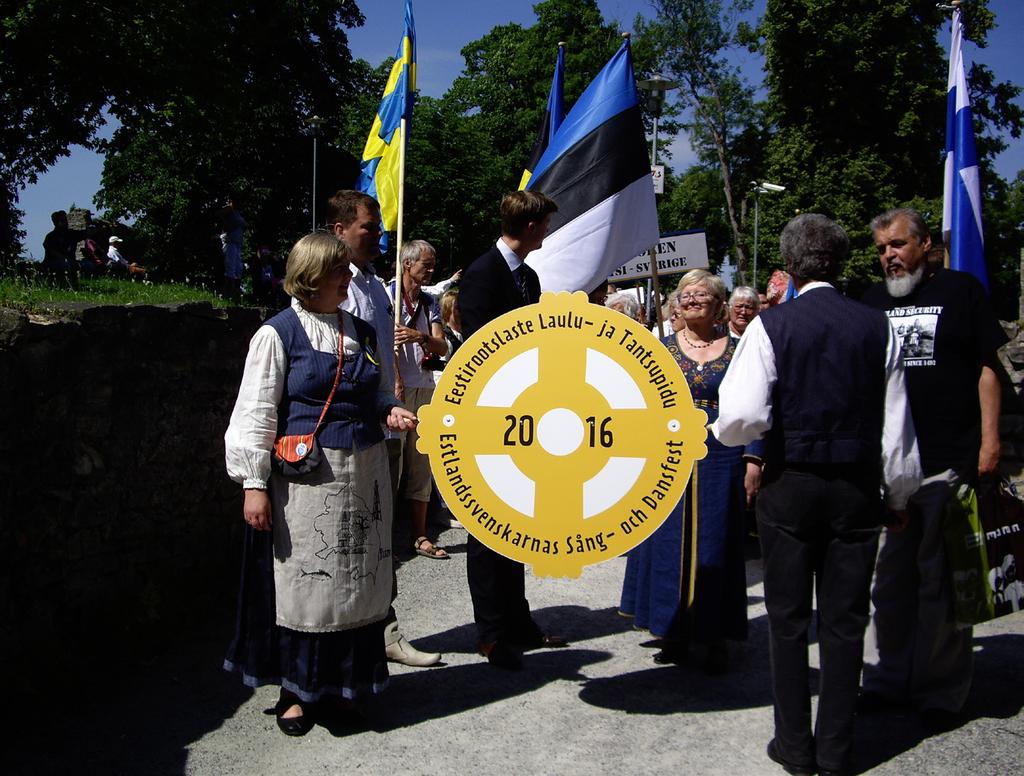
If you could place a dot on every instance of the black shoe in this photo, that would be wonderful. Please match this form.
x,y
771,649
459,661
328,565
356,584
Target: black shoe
x,y
939,720
501,655
672,653
293,726
795,770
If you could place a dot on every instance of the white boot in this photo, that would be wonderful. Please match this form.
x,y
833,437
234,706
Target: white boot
x,y
403,652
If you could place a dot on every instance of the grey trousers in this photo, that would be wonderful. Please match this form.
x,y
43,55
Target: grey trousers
x,y
913,652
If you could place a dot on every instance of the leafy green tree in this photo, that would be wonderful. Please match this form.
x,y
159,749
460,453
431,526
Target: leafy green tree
x,y
49,98
505,84
1004,241
694,200
454,184
211,99
224,114
469,147
857,99
693,40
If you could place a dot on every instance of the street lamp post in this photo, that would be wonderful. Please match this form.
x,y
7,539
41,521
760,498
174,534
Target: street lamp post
x,y
761,188
314,121
656,86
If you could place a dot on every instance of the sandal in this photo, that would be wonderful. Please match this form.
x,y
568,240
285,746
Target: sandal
x,y
430,551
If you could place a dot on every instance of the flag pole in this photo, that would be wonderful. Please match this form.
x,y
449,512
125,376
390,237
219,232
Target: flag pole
x,y
401,217
399,384
953,6
652,251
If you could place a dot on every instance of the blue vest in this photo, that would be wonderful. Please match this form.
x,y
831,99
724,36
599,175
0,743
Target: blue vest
x,y
353,419
829,400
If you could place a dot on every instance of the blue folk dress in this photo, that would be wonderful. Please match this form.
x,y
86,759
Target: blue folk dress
x,y
315,590
687,581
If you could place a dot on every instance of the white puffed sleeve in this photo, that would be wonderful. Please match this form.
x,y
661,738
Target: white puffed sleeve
x,y
253,427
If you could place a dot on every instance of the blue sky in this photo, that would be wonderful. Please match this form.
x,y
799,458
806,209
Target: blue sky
x,y
443,27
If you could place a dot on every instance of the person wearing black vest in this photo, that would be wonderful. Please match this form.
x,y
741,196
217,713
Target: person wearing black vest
x,y
495,283
821,381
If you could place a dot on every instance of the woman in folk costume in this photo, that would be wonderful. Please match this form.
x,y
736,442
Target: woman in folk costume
x,y
687,582
316,575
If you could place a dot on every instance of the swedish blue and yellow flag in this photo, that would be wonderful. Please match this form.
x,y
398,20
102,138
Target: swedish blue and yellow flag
x,y
379,177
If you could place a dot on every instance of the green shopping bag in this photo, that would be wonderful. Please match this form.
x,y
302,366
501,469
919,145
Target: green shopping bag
x,y
967,559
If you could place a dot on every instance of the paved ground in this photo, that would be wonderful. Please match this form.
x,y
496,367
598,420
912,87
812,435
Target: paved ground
x,y
600,707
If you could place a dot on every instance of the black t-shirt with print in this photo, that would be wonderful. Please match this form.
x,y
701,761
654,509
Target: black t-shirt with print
x,y
947,330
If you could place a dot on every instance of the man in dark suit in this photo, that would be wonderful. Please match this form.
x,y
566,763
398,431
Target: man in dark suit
x,y
496,283
820,378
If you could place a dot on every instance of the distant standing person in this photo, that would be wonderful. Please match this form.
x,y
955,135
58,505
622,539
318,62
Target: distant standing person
x,y
420,342
233,227
59,248
744,305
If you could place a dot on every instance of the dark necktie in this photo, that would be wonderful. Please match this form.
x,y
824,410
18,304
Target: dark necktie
x,y
520,275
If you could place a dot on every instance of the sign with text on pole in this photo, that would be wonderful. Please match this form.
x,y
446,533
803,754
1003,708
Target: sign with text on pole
x,y
677,252
658,176
562,434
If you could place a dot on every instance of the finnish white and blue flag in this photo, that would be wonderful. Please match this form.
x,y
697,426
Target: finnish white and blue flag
x,y
597,171
961,201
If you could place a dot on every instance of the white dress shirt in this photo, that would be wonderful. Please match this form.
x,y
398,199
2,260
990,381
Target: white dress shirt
x,y
745,407
368,299
510,256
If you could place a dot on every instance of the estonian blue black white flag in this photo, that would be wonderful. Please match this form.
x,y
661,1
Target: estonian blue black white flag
x,y
597,170
961,206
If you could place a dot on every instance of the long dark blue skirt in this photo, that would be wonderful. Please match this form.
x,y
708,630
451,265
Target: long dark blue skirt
x,y
687,581
311,665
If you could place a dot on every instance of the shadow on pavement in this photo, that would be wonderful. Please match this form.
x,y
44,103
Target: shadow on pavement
x,y
997,692
414,697
675,690
570,621
685,688
132,714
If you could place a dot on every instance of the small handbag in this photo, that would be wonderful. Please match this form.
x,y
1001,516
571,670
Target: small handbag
x,y
297,455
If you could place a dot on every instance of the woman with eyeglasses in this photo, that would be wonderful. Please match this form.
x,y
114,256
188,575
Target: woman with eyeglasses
x,y
744,305
316,561
686,583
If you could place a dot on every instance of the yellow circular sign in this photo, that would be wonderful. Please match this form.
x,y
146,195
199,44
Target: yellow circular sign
x,y
562,434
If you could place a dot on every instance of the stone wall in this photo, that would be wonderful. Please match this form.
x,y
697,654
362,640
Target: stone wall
x,y
115,511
